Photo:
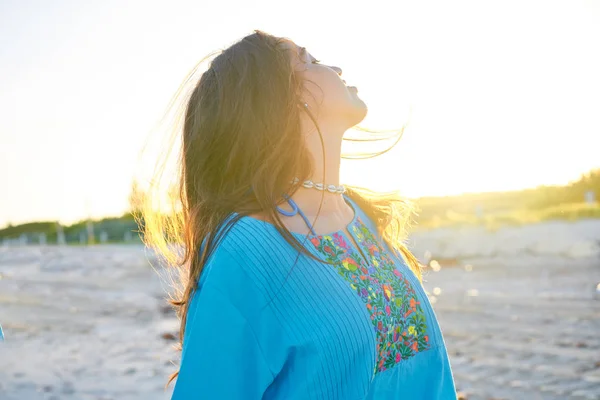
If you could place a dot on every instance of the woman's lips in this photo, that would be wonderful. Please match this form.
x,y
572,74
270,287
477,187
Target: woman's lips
x,y
350,87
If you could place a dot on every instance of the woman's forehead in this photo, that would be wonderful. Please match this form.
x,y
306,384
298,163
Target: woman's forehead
x,y
289,45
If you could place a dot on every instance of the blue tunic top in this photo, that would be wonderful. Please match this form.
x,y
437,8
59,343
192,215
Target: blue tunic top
x,y
360,329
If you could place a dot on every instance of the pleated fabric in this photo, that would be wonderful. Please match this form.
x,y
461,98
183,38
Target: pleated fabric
x,y
268,323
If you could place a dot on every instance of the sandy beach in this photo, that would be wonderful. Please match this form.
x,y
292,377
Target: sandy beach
x,y
519,309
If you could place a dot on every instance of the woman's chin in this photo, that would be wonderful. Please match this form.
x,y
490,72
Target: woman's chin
x,y
352,113
360,111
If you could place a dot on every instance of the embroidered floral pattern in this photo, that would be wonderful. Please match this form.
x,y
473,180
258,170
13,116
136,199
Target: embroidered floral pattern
x,y
396,313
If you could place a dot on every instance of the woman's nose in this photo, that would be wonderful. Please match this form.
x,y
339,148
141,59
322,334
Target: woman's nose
x,y
338,70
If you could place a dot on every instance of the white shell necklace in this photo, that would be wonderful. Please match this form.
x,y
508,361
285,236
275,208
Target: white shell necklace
x,y
320,186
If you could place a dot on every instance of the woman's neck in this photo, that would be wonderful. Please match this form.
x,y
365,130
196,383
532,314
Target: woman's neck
x,y
308,200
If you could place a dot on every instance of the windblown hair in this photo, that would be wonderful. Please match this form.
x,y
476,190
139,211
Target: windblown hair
x,y
241,145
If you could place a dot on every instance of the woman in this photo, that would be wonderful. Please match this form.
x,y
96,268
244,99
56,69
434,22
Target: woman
x,y
289,291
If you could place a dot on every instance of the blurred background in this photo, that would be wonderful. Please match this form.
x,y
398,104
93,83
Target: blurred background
x,y
500,156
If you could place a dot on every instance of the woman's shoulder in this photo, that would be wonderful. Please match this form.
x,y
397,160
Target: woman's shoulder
x,y
247,240
244,261
228,271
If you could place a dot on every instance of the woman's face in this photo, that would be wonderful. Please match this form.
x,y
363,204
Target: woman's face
x,y
331,101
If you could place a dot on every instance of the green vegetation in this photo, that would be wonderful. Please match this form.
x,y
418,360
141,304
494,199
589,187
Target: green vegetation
x,y
493,210
114,228
122,229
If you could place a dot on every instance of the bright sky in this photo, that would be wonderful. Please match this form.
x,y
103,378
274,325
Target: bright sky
x,y
504,95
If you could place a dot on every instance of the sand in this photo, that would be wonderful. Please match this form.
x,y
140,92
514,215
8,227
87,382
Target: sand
x,y
518,307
